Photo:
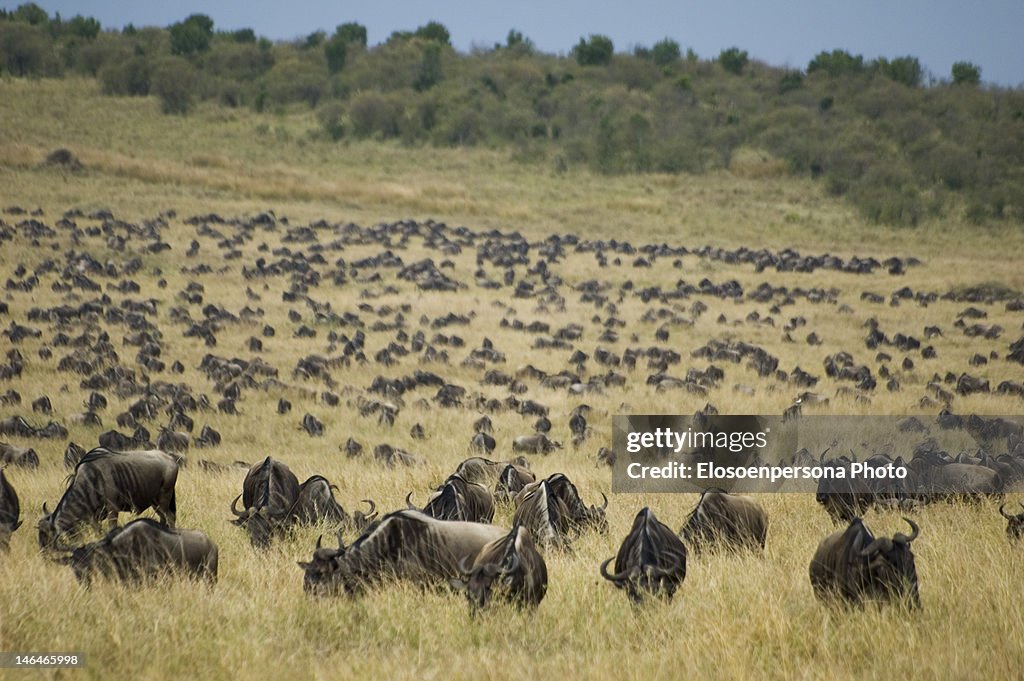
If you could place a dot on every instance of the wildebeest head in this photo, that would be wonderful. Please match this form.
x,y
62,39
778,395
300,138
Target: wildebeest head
x,y
510,566
270,492
261,523
1014,523
890,564
320,570
651,559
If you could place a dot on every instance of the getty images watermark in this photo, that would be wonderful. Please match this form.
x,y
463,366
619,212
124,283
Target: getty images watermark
x,y
674,453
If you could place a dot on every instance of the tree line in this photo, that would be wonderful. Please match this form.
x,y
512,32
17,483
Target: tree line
x,y
900,145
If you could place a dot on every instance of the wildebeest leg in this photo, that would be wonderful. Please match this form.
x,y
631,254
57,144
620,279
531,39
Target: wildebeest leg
x,y
170,517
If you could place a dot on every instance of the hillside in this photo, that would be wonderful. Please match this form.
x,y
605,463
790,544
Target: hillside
x,y
897,149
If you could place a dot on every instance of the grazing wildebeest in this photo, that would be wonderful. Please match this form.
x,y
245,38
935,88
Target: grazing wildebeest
x,y
105,483
485,471
269,493
172,441
10,511
483,442
511,482
538,443
18,456
316,504
144,550
312,425
1014,523
651,559
458,499
854,566
510,568
726,520
406,545
553,511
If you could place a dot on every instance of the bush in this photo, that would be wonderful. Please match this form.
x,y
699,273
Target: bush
x,y
26,51
192,35
296,80
175,82
966,73
335,51
905,70
429,73
597,51
733,60
435,32
837,63
127,77
377,115
331,120
665,52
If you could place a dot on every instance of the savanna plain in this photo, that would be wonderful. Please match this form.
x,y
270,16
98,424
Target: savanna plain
x,y
735,616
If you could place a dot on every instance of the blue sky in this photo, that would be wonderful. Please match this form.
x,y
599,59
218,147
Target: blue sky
x,y
938,32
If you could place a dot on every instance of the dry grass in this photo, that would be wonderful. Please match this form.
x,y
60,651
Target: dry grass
x,y
735,617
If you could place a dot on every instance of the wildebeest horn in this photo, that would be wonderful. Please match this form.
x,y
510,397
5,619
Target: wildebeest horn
x,y
46,511
341,542
373,509
617,577
1007,515
605,504
319,542
914,531
408,501
466,571
234,507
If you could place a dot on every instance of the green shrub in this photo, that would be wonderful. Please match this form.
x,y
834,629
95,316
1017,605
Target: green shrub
x,y
192,35
377,115
175,82
128,77
595,51
837,63
733,60
665,52
331,119
966,73
435,32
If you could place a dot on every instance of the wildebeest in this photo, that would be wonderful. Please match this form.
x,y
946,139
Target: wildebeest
x,y
854,566
511,481
483,442
143,550
1014,523
172,441
459,499
727,520
316,504
269,493
18,456
538,443
651,559
485,471
406,545
105,483
553,511
10,511
509,567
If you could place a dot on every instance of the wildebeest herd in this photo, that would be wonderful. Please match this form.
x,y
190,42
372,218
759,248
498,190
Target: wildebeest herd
x,y
485,526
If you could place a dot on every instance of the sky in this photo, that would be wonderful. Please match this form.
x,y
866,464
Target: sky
x,y
987,33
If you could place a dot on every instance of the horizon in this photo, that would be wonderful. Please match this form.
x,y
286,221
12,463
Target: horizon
x,y
784,35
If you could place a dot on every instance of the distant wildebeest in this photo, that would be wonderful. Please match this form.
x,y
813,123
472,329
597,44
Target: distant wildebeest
x,y
853,566
509,568
405,545
312,425
726,520
172,441
483,442
10,511
208,437
269,493
485,471
651,559
144,550
106,483
1014,523
22,457
538,443
72,455
459,499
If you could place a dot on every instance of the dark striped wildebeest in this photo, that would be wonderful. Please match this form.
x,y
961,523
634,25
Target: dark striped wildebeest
x,y
269,493
554,512
510,568
10,511
143,550
725,520
406,545
853,566
651,559
316,504
106,483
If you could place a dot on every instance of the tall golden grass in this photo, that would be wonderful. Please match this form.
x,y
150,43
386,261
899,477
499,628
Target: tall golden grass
x,y
736,616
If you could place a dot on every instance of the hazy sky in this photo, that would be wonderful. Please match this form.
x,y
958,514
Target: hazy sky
x,y
790,33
